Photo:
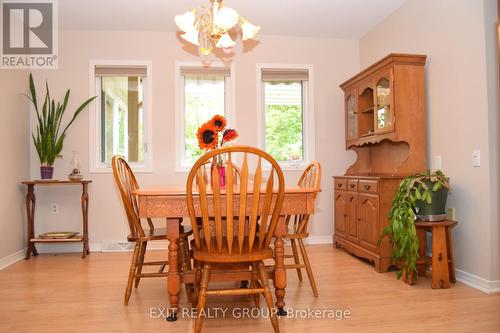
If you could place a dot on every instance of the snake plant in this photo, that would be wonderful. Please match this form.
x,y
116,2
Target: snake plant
x,y
49,135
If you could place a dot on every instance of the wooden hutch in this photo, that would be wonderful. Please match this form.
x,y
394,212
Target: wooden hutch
x,y
385,125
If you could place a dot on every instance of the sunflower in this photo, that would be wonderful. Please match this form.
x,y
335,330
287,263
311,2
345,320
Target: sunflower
x,y
229,135
207,136
219,122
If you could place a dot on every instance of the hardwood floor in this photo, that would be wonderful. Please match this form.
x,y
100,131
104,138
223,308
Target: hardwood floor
x,y
63,293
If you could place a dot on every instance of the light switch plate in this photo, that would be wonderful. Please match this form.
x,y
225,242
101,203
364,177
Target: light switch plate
x,y
437,162
476,158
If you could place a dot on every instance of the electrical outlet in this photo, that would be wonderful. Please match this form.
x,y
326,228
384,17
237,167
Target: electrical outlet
x,y
437,162
55,208
476,158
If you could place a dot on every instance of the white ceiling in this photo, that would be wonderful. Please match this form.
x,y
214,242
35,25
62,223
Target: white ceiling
x,y
322,18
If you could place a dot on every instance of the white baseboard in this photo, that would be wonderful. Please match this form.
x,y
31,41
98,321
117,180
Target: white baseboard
x,y
477,282
12,258
127,246
319,240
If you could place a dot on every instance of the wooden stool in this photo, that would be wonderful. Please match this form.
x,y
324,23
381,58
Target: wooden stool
x,y
443,261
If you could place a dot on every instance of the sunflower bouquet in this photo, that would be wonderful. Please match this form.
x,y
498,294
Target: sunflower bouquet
x,y
213,134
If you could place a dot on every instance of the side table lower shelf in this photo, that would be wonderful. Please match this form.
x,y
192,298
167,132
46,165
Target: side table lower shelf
x,y
57,240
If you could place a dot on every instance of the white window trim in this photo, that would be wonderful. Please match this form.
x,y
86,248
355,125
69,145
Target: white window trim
x,y
308,101
230,97
95,164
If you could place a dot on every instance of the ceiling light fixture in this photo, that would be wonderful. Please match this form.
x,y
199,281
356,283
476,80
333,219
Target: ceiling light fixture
x,y
209,27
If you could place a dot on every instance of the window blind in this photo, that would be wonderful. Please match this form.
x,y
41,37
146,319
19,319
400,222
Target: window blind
x,y
284,74
207,71
119,71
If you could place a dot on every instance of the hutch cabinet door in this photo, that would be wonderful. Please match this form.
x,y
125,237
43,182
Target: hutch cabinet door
x,y
341,211
352,199
351,115
384,101
368,221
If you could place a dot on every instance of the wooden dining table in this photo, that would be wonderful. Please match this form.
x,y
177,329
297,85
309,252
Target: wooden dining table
x,y
169,202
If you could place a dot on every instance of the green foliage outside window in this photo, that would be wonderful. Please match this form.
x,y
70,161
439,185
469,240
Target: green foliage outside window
x,y
284,132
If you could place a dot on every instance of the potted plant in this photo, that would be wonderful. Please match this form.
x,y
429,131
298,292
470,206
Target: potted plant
x,y
416,192
49,134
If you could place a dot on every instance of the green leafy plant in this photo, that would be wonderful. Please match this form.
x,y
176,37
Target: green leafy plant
x,y
401,228
49,135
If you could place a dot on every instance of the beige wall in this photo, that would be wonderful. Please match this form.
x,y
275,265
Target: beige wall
x,y
462,96
15,158
333,61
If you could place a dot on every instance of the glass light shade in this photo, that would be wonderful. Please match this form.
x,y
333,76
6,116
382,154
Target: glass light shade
x,y
225,41
192,36
185,22
248,30
226,18
228,50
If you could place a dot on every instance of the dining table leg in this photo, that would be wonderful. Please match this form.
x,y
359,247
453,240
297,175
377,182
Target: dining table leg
x,y
173,278
279,280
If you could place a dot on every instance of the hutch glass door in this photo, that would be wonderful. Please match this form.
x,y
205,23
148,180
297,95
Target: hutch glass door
x,y
384,113
352,118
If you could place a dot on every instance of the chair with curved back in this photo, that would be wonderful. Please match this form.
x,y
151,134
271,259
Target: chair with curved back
x,y
127,184
310,178
259,206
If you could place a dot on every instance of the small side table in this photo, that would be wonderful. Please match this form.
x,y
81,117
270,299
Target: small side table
x,y
30,212
443,261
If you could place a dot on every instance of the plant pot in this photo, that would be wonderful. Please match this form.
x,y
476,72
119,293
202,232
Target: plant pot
x,y
46,172
436,210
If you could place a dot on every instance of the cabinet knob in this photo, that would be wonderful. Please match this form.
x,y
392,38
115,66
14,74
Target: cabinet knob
x,y
339,185
367,187
352,185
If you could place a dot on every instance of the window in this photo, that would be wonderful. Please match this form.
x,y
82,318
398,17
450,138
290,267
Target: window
x,y
119,125
204,92
286,118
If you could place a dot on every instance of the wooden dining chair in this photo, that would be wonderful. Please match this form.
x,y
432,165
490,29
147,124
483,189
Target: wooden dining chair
x,y
239,243
297,232
127,184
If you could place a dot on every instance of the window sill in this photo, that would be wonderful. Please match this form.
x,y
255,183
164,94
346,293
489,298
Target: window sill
x,y
110,170
299,166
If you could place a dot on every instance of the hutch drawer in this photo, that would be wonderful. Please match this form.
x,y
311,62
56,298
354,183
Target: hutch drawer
x,y
352,184
340,183
368,186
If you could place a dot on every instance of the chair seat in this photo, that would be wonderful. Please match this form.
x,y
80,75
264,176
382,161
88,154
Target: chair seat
x,y
159,233
223,256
